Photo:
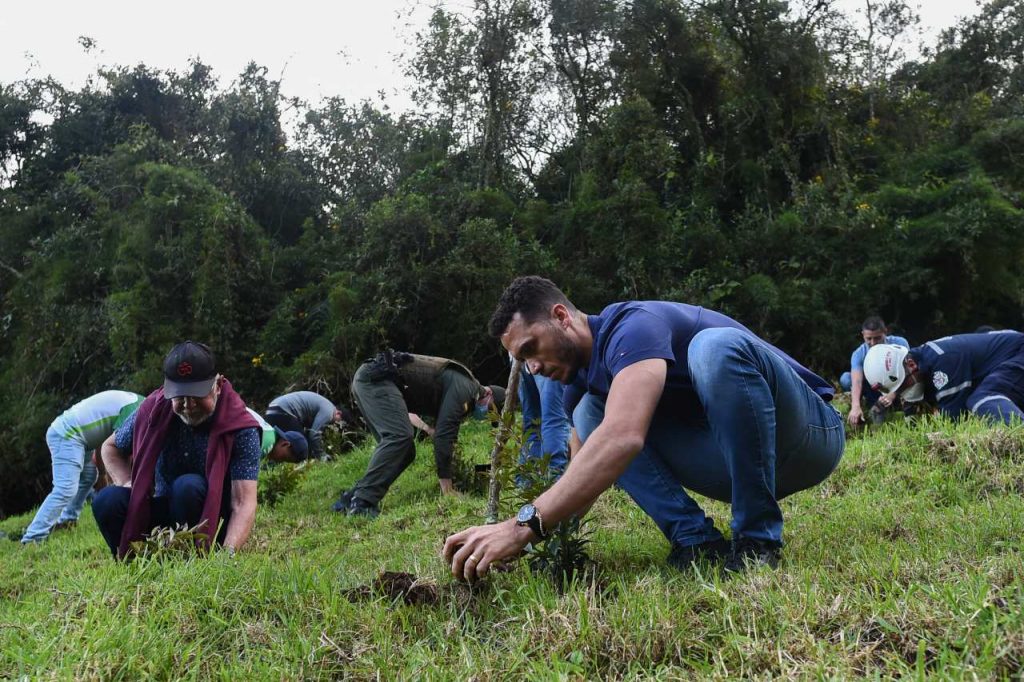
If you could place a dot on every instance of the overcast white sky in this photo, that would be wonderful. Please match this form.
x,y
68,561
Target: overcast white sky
x,y
345,47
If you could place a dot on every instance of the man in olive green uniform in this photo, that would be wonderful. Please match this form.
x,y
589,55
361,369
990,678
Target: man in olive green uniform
x,y
389,387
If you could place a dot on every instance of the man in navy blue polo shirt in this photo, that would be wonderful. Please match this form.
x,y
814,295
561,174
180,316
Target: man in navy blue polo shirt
x,y
677,397
978,373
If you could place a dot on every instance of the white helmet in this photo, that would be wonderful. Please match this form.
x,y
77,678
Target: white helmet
x,y
883,367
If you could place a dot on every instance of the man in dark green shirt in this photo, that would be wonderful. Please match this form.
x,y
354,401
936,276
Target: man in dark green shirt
x,y
387,389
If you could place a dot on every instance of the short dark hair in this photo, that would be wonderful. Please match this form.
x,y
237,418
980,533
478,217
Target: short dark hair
x,y
873,324
531,297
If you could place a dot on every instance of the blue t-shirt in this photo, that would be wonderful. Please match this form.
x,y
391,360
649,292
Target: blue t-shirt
x,y
627,333
857,359
953,367
184,452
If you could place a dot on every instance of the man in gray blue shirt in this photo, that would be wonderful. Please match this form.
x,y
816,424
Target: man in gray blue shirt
x,y
306,412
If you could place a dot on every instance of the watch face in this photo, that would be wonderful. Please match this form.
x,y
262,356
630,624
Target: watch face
x,y
526,512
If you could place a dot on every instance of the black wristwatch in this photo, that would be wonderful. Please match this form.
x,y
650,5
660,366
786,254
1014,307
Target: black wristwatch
x,y
529,516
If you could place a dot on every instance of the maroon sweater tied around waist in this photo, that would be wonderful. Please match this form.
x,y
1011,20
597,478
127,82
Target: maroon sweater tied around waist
x,y
152,425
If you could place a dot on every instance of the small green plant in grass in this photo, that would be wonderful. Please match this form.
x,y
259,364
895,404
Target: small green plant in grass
x,y
340,439
279,480
175,542
563,555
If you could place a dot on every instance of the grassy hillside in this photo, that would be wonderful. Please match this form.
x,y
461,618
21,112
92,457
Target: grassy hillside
x,y
907,561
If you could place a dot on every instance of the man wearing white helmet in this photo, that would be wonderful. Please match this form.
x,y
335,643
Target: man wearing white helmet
x,y
978,373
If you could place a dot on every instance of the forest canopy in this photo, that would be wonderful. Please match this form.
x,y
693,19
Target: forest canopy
x,y
768,159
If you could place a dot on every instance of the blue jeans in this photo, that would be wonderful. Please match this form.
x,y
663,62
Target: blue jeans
x,y
182,505
763,435
74,475
545,426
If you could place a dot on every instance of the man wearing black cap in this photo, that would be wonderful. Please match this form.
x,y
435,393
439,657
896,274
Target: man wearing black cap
x,y
387,389
189,455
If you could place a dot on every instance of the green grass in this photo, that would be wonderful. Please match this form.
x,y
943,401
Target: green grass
x,y
906,562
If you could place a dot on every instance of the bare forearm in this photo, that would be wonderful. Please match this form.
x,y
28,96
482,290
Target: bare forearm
x,y
118,467
856,385
602,459
598,464
240,525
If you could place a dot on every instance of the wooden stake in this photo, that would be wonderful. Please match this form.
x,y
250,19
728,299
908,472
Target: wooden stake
x,y
505,425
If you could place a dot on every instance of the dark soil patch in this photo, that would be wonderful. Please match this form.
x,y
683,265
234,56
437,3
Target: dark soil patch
x,y
408,588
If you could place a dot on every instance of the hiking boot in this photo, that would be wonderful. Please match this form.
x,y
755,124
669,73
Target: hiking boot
x,y
683,557
360,507
343,503
64,525
751,552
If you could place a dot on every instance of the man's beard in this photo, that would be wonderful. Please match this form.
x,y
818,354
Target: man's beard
x,y
198,421
191,421
569,357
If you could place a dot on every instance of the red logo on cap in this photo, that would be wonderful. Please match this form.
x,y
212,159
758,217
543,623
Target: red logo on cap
x,y
888,362
184,369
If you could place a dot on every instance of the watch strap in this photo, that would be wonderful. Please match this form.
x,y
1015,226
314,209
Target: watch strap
x,y
536,524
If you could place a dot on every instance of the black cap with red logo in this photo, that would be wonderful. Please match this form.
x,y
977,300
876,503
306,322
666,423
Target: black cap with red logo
x,y
189,370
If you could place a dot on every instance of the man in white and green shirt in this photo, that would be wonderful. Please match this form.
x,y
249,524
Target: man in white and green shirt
x,y
280,446
71,437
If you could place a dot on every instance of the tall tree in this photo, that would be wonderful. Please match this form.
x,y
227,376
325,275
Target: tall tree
x,y
479,73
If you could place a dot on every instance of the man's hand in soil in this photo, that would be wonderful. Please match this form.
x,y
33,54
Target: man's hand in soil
x,y
473,551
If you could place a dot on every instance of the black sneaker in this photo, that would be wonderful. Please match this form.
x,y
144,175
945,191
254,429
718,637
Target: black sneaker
x,y
64,525
343,503
751,552
709,552
360,507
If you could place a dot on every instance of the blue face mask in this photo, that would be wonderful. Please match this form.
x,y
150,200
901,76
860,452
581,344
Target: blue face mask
x,y
480,410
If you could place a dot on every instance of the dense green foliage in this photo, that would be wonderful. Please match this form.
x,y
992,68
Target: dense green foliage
x,y
762,158
904,563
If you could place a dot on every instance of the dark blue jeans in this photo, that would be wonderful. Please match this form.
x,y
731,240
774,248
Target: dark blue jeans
x,y
999,397
182,505
764,435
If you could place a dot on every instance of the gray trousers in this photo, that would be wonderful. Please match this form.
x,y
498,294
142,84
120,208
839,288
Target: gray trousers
x,y
387,416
